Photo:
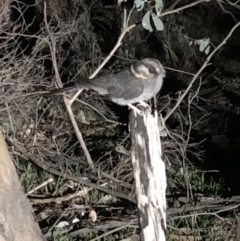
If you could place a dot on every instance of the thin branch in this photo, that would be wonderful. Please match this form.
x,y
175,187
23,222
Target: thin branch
x,y
118,44
52,47
36,159
78,132
173,5
114,230
226,11
67,102
229,207
182,8
200,70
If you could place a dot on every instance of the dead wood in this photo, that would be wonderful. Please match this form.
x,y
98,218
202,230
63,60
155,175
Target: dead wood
x,y
149,174
16,219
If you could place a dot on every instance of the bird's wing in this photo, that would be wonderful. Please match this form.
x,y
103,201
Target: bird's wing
x,y
120,85
127,90
124,85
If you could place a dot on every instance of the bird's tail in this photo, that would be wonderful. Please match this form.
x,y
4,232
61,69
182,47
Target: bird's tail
x,y
66,89
81,82
61,90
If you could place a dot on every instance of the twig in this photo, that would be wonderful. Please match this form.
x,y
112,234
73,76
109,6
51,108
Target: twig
x,y
40,186
182,8
179,71
229,207
97,111
130,14
52,47
45,166
82,193
226,11
75,96
67,102
172,6
118,44
200,71
78,132
232,4
114,230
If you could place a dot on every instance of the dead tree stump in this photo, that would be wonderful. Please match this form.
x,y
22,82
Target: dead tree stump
x,y
149,174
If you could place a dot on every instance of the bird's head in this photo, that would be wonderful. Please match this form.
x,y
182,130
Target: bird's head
x,y
148,68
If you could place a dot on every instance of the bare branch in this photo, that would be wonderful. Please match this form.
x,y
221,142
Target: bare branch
x,y
200,70
182,8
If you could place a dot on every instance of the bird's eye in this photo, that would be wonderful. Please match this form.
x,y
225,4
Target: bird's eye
x,y
152,70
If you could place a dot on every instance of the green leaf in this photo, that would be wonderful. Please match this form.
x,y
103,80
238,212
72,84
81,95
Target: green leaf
x,y
204,45
157,22
146,22
159,6
139,4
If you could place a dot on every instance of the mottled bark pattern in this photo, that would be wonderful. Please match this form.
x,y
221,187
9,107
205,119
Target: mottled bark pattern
x,y
149,175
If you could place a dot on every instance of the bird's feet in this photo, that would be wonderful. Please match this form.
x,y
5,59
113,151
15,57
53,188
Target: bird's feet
x,y
135,109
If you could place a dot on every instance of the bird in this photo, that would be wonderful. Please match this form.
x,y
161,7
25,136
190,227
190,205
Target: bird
x,y
137,83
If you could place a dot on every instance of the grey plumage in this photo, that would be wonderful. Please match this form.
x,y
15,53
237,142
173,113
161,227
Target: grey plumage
x,y
140,82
